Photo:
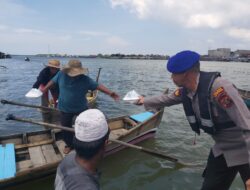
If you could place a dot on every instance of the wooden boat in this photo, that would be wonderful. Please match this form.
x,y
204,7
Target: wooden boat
x,y
246,96
37,154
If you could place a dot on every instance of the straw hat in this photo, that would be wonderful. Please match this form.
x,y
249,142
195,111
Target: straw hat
x,y
74,68
54,63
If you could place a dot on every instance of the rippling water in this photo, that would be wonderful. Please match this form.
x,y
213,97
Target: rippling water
x,y
128,169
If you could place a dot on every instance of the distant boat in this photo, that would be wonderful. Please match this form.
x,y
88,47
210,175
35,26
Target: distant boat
x,y
245,94
26,59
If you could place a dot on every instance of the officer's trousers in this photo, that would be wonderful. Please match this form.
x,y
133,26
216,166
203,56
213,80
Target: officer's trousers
x,y
218,176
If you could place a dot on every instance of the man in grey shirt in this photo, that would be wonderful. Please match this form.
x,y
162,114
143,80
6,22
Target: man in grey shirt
x,y
78,170
214,105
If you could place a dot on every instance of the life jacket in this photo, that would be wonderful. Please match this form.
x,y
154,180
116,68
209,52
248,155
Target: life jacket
x,y
207,120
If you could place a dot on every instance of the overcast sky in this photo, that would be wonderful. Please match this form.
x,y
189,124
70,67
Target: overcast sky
x,y
123,26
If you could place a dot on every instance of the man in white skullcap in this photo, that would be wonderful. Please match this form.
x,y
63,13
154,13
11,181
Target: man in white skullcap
x,y
78,170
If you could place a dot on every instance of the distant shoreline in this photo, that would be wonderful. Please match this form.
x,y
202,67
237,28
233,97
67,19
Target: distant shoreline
x,y
111,56
138,57
130,56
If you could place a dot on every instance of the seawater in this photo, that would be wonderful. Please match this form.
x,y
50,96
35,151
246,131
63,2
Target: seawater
x,y
128,169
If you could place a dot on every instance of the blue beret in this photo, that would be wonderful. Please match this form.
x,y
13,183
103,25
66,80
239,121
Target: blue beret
x,y
182,61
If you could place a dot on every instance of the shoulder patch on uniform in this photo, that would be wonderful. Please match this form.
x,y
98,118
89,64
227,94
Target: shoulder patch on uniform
x,y
223,99
177,92
218,92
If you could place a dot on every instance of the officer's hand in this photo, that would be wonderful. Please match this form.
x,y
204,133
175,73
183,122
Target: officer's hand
x,y
248,184
140,101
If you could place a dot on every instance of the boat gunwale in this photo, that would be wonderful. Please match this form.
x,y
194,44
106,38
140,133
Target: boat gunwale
x,y
29,133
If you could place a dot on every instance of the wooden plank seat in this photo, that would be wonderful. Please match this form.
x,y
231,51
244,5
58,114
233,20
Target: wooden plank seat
x,y
50,154
36,156
43,154
141,117
7,161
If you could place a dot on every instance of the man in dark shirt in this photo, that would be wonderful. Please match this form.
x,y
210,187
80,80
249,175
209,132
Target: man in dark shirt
x,y
44,77
78,170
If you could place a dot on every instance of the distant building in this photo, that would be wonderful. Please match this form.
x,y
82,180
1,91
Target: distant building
x,y
242,53
220,53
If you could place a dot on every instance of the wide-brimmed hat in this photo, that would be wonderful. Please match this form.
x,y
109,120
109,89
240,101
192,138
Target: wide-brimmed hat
x,y
74,68
54,63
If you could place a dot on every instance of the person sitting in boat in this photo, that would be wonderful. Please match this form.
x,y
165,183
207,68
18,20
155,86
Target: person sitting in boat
x,y
78,170
74,85
211,104
44,77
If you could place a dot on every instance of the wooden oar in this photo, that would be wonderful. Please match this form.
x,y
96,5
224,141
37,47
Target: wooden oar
x,y
142,149
146,150
98,75
27,105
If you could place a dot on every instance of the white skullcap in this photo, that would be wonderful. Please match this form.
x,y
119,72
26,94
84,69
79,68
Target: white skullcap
x,y
90,125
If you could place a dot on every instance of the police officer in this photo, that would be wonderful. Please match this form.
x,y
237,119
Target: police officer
x,y
214,105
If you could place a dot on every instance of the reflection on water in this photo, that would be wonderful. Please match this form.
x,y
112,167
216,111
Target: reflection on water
x,y
128,169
